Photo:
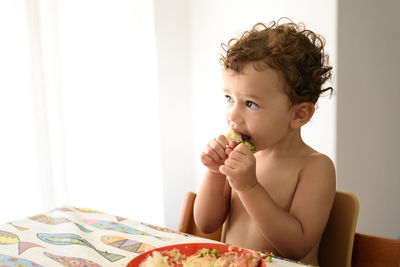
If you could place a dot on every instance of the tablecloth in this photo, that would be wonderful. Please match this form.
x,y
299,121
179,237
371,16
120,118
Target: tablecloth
x,y
72,236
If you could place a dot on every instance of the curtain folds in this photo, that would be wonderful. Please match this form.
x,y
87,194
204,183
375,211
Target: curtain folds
x,y
79,108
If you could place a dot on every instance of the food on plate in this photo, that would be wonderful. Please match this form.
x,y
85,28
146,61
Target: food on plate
x,y
156,260
229,259
204,257
239,138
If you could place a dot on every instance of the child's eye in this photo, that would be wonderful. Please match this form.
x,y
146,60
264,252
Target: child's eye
x,y
228,98
251,105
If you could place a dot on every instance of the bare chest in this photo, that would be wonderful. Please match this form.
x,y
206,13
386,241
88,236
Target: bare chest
x,y
280,181
280,184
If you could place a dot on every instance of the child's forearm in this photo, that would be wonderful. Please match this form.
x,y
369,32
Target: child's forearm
x,y
212,202
282,230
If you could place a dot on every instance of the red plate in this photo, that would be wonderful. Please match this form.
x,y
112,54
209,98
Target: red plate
x,y
190,248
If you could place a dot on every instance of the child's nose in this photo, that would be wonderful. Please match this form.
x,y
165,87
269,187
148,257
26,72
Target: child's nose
x,y
235,117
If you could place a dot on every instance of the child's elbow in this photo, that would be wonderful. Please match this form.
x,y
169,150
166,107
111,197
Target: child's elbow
x,y
296,255
205,226
298,252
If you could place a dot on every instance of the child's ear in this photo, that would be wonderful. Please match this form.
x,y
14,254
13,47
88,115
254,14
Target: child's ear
x,y
302,114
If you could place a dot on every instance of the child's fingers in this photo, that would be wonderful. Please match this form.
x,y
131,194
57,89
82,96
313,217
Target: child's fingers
x,y
210,152
222,140
225,170
205,159
243,149
236,155
230,163
218,148
228,150
240,153
232,144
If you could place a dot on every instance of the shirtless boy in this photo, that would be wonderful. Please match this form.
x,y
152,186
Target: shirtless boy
x,y
279,198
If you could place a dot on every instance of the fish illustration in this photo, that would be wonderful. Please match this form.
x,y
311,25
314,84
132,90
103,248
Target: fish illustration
x,y
19,227
54,221
87,210
126,244
71,261
8,238
72,239
11,261
158,228
62,209
120,218
119,227
163,229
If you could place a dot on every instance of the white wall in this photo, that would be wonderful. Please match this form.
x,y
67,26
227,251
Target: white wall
x,y
368,111
189,35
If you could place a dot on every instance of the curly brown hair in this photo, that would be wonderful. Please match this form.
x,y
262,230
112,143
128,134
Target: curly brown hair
x,y
289,48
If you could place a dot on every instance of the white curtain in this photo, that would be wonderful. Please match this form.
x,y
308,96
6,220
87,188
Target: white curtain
x,y
79,109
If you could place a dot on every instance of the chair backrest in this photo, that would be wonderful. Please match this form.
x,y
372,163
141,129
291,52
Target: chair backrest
x,y
186,222
374,251
337,240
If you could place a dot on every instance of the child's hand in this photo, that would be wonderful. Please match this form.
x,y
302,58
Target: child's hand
x,y
216,152
240,168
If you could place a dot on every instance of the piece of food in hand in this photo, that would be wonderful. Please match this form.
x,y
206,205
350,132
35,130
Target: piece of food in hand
x,y
250,145
237,137
233,136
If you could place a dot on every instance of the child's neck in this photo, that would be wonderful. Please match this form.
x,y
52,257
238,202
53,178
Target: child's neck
x,y
291,144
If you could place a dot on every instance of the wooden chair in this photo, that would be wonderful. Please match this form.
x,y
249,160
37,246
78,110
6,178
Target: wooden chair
x,y
186,222
337,240
375,251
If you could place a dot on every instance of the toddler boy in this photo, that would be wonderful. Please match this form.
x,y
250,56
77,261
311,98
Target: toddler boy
x,y
279,198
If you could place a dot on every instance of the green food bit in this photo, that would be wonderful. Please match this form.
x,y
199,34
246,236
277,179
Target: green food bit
x,y
215,252
250,145
205,251
268,259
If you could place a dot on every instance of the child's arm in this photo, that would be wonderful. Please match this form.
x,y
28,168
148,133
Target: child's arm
x,y
212,201
292,233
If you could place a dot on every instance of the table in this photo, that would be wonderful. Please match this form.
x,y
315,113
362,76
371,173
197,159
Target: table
x,y
72,236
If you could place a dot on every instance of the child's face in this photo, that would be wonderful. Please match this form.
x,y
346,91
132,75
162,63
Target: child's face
x,y
257,106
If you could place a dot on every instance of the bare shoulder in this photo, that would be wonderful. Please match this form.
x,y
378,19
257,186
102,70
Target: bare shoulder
x,y
317,174
318,163
316,159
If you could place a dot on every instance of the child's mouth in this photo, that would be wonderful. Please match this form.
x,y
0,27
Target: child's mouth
x,y
231,135
246,137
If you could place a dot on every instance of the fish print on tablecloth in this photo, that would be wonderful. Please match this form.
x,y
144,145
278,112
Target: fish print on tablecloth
x,y
71,261
19,227
8,238
126,244
163,229
87,210
11,261
63,209
119,227
54,221
158,228
72,239
120,219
